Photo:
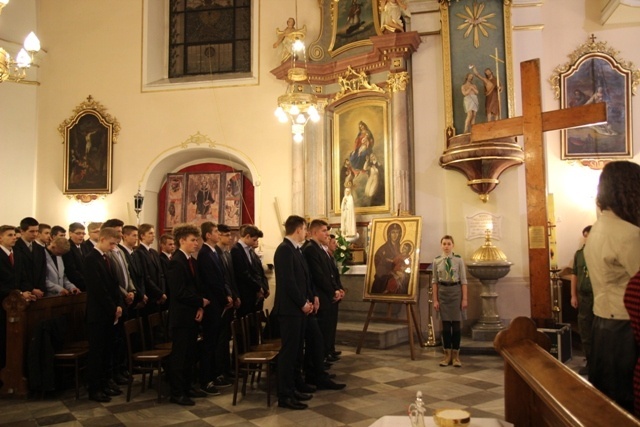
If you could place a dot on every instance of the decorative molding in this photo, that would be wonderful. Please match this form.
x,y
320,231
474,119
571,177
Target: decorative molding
x,y
591,46
538,27
397,82
91,104
198,139
352,82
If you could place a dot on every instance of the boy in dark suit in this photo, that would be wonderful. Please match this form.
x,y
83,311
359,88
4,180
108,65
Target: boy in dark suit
x,y
74,259
292,305
250,278
186,308
104,309
32,259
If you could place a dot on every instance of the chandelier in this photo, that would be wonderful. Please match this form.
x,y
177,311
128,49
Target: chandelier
x,y
15,70
296,105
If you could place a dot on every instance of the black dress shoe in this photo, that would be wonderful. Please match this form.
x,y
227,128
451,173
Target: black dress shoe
x,y
291,403
120,379
327,365
196,393
330,385
182,400
336,353
99,397
302,396
305,388
111,391
332,358
332,376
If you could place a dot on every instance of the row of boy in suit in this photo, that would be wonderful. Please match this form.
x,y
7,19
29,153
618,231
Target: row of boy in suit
x,y
309,290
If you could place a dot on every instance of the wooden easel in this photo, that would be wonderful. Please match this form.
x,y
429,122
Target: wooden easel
x,y
412,323
412,319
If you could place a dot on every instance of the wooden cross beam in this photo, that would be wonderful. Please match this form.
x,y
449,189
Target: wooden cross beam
x,y
531,125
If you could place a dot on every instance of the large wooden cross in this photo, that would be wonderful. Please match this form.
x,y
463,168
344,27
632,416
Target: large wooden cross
x,y
532,124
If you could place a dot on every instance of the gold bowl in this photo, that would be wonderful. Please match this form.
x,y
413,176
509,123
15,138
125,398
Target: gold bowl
x,y
451,417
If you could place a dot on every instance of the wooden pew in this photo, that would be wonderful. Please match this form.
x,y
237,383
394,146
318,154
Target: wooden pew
x,y
22,319
541,391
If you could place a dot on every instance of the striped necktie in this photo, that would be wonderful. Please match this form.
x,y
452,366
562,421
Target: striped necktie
x,y
447,267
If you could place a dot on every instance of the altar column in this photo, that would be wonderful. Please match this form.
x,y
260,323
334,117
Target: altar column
x,y
317,187
297,196
400,142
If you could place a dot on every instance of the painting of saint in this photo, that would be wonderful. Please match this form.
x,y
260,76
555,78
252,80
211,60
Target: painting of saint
x,y
203,202
354,22
175,197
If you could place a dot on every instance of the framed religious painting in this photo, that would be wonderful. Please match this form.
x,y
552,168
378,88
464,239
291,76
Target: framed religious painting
x,y
361,155
203,201
175,200
478,76
595,74
88,138
354,22
232,199
393,259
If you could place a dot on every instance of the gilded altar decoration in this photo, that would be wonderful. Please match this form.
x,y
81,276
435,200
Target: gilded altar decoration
x,y
88,138
474,20
397,82
352,82
595,73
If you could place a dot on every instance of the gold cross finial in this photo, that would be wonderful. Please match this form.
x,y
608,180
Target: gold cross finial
x,y
592,38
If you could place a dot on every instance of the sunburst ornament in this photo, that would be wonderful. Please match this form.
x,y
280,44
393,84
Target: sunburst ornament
x,y
474,21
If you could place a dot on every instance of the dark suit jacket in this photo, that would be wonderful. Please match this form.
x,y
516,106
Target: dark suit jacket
x,y
154,276
322,273
73,261
211,277
11,276
250,278
87,246
33,263
229,274
103,290
292,279
136,272
185,295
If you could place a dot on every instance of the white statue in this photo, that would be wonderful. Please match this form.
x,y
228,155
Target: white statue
x,y
391,15
348,215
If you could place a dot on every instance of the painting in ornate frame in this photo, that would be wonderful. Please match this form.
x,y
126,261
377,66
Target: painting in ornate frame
x,y
88,137
361,154
175,198
476,33
346,32
595,73
202,202
232,199
393,259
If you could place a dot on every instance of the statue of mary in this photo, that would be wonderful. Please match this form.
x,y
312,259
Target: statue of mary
x,y
348,215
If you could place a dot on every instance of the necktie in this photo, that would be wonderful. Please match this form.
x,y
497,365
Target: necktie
x,y
11,259
30,247
193,269
106,260
447,266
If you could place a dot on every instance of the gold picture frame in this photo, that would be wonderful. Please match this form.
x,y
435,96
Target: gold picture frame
x,y
476,33
595,73
361,154
393,259
88,138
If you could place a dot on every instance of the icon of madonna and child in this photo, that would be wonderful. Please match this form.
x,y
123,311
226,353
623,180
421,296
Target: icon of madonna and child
x,y
392,262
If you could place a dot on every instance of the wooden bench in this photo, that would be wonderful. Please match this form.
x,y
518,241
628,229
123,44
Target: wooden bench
x,y
23,318
541,391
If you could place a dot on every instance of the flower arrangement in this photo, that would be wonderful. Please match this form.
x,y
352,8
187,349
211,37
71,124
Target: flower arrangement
x,y
342,254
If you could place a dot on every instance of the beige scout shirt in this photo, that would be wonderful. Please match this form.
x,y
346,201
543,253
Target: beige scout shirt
x,y
612,254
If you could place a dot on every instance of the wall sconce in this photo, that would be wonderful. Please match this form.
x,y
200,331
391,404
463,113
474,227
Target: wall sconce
x,y
138,200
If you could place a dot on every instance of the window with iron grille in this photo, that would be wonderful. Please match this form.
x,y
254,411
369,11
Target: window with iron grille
x,y
209,37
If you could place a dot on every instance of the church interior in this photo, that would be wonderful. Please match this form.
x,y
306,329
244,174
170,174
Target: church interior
x,y
116,54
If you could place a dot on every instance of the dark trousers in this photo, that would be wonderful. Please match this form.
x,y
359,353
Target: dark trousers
x,y
223,360
183,357
451,335
100,353
210,359
613,359
326,316
314,352
292,330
